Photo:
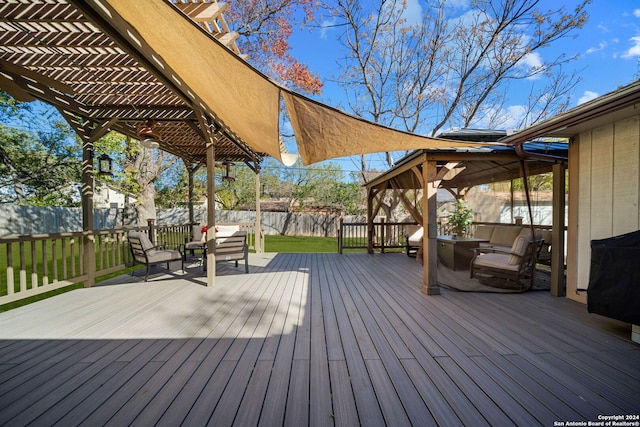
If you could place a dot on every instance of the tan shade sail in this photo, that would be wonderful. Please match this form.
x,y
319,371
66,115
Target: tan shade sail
x,y
245,100
324,133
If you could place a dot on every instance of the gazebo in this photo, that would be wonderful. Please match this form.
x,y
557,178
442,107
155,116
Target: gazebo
x,y
457,170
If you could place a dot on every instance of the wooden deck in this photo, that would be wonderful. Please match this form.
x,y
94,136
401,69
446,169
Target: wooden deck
x,y
311,339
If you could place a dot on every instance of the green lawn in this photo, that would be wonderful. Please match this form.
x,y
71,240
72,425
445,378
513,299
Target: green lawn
x,y
292,244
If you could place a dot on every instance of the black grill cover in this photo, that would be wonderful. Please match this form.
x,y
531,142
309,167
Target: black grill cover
x,y
614,279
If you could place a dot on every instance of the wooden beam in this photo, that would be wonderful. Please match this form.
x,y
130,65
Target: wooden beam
x,y
32,75
257,240
429,239
370,198
206,123
413,210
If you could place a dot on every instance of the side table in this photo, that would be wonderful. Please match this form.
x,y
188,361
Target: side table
x,y
456,252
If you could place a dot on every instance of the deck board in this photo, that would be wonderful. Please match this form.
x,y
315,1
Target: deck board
x,y
310,339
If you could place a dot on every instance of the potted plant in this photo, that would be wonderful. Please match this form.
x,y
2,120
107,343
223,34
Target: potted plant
x,y
461,218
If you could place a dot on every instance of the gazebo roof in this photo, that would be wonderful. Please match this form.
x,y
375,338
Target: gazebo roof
x,y
469,166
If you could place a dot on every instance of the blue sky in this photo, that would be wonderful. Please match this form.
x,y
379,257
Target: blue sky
x,y
607,47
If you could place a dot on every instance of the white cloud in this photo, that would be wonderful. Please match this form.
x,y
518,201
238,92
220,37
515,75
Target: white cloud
x,y
513,116
633,50
532,63
532,60
501,118
636,13
413,12
587,96
457,4
601,46
326,26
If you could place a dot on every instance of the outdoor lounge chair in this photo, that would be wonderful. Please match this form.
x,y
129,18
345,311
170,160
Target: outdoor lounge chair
x,y
197,243
507,269
144,252
412,239
232,247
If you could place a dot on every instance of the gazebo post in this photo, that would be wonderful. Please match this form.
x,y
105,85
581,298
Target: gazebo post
x,y
429,219
557,236
370,214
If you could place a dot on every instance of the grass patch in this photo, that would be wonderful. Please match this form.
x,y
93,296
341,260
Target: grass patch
x,y
298,244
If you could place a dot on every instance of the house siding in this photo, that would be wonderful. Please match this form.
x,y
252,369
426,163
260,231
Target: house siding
x,y
606,186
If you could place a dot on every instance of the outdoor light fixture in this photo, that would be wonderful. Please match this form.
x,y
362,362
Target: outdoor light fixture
x,y
149,138
105,164
227,174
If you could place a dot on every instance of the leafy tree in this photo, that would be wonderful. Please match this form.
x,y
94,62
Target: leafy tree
x,y
138,170
321,185
38,162
266,27
173,187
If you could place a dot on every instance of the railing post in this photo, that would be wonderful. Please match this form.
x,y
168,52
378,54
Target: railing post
x,y
152,231
382,234
340,224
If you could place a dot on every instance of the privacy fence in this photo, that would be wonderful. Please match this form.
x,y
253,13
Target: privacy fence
x,y
27,220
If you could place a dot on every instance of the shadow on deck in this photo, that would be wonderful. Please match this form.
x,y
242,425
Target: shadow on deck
x,y
311,339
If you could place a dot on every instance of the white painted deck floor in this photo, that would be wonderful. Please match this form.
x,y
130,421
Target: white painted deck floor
x,y
311,339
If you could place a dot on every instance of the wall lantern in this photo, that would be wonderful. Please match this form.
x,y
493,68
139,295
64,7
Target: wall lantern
x,y
228,177
105,165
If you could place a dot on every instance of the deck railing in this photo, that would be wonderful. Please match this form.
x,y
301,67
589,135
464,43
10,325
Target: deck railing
x,y
386,235
34,264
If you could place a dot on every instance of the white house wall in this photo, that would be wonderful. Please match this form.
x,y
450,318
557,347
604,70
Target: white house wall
x,y
608,193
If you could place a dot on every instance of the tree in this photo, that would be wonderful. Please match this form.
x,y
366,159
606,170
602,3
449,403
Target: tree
x,y
422,73
139,168
38,162
265,27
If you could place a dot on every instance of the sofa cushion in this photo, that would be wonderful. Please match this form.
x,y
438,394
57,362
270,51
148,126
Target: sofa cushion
x,y
545,235
495,260
162,255
414,239
483,231
504,235
518,249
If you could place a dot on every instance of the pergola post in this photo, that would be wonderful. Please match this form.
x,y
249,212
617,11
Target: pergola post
x,y
211,214
88,131
88,240
258,242
191,171
429,219
558,225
